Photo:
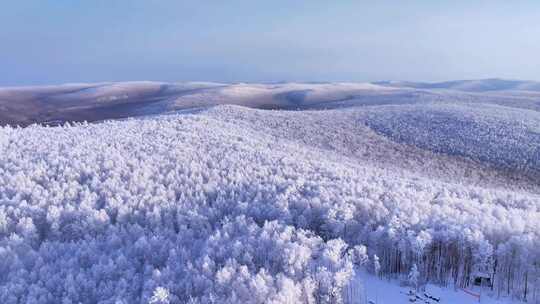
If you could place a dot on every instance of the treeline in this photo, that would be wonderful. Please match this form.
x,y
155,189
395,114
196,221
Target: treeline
x,y
508,269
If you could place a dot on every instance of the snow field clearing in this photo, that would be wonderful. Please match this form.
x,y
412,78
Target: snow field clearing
x,y
383,291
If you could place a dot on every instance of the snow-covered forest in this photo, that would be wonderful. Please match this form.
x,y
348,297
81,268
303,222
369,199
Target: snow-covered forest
x,y
229,204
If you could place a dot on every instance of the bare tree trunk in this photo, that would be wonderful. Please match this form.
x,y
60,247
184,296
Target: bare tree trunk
x,y
525,291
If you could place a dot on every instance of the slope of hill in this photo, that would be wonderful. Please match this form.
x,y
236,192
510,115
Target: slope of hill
x,y
54,105
93,102
503,136
483,85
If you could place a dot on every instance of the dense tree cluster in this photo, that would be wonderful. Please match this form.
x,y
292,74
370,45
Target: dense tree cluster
x,y
347,133
202,208
504,136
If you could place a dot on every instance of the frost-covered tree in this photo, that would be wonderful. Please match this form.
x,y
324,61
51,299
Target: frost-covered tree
x,y
376,265
414,276
160,296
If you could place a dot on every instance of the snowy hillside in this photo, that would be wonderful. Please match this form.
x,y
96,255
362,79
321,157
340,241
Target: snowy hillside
x,y
484,85
206,195
505,137
93,102
54,105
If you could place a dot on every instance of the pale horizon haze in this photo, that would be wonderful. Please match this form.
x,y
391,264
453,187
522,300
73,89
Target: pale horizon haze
x,y
50,42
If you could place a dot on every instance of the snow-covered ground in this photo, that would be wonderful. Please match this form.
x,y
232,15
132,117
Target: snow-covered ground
x,y
384,291
195,201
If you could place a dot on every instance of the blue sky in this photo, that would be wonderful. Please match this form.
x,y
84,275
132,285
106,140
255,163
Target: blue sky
x,y
57,41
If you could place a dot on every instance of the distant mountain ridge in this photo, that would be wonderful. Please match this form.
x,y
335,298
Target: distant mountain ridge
x,y
481,85
56,104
